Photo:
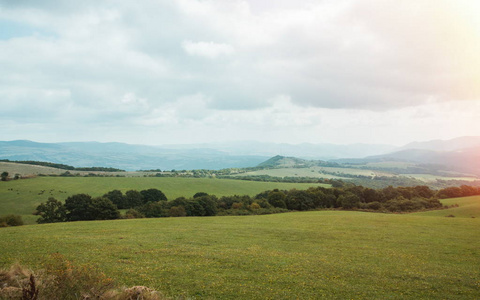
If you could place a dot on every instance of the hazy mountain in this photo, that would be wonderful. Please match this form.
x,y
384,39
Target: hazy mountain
x,y
445,145
458,154
463,161
125,156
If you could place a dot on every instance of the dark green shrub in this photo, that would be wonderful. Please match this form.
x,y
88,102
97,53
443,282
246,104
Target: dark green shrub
x,y
177,211
199,194
373,205
154,209
103,209
133,199
51,211
277,199
117,198
11,220
153,195
348,201
133,214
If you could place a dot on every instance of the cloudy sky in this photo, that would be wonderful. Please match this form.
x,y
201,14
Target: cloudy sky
x,y
189,71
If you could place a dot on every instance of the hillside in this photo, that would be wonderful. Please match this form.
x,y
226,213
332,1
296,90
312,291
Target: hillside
x,y
445,145
23,196
328,254
464,160
284,162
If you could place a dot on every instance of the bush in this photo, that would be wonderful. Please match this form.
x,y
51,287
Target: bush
x,y
133,214
177,211
373,205
68,281
277,199
11,220
63,280
348,201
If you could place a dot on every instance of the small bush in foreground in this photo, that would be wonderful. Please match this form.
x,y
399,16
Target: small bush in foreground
x,y
61,280
11,220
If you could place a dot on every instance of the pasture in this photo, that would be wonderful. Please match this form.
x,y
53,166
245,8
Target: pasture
x,y
23,196
304,255
317,172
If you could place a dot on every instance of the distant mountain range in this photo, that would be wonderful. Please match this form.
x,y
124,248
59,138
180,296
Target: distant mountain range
x,y
125,156
460,154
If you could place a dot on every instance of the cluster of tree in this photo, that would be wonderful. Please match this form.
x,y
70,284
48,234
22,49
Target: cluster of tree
x,y
69,174
83,207
5,176
392,199
455,192
152,203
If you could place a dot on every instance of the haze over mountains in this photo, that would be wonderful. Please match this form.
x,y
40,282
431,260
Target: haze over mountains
x,y
463,153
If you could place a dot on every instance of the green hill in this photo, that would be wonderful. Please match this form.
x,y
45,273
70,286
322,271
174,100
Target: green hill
x,y
286,162
308,255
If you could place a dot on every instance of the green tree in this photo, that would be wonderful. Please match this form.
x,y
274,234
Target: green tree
x,y
133,199
348,201
4,176
199,194
79,207
103,209
209,204
51,211
299,200
153,195
117,198
277,199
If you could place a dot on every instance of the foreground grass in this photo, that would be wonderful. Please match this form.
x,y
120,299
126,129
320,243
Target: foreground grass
x,y
329,254
23,196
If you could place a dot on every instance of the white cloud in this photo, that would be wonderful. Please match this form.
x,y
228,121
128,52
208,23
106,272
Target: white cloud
x,y
344,69
207,49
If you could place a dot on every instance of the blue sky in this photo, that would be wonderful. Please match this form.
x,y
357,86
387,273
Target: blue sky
x,y
190,71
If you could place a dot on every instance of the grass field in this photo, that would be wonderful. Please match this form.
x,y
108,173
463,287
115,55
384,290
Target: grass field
x,y
26,170
433,178
385,164
316,172
23,196
305,255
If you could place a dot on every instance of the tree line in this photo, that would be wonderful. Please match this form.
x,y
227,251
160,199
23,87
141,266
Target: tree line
x,y
152,203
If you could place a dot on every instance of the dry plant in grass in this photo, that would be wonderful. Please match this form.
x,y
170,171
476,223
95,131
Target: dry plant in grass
x,y
61,280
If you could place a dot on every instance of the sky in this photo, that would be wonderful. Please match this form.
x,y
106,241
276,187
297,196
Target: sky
x,y
206,71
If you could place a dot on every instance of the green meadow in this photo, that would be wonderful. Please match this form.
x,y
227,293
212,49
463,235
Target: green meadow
x,y
316,172
302,255
23,196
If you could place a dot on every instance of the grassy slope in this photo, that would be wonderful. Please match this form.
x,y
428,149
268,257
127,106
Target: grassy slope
x,y
468,207
315,172
23,196
327,254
